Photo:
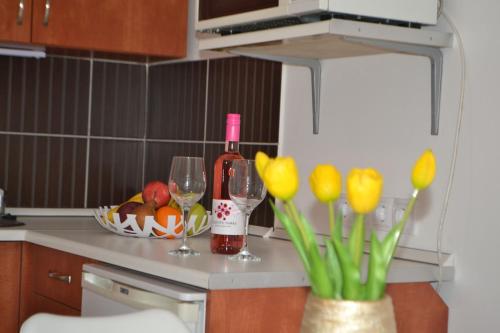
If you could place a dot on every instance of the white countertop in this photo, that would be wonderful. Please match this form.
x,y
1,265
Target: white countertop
x,y
280,266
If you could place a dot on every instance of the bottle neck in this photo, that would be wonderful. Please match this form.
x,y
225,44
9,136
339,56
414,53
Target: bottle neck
x,y
232,147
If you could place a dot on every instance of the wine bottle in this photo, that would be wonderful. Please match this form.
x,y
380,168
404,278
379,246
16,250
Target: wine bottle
x,y
228,223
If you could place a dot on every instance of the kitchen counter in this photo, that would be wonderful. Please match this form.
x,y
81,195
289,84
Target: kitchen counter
x,y
280,266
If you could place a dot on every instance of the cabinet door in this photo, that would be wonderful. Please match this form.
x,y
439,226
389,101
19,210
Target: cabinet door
x,y
10,275
15,21
150,27
45,282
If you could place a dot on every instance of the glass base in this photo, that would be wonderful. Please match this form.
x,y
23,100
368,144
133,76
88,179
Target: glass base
x,y
184,252
245,255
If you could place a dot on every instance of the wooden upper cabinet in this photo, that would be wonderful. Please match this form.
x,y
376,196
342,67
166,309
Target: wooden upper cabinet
x,y
15,21
148,27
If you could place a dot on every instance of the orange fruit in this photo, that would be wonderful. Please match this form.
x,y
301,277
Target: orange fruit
x,y
162,218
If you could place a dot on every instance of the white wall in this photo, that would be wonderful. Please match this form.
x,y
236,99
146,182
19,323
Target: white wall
x,y
376,112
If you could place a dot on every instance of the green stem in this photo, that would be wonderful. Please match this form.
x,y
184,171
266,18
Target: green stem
x,y
357,240
331,216
294,214
409,207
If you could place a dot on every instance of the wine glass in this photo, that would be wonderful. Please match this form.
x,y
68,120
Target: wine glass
x,y
247,191
187,184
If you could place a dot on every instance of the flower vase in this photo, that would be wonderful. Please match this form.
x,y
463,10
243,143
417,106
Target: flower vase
x,y
345,316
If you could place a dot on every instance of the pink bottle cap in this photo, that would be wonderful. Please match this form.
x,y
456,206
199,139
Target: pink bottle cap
x,y
233,127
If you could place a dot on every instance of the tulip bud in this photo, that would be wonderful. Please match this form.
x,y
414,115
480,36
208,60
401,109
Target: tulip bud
x,y
326,183
364,188
281,177
424,170
261,161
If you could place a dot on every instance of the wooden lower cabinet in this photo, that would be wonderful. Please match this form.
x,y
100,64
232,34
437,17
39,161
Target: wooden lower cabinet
x,y
10,273
418,308
25,270
50,281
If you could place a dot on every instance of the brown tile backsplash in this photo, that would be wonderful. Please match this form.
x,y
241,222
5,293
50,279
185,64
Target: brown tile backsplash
x,y
249,87
148,114
44,96
41,171
118,100
177,101
159,157
115,171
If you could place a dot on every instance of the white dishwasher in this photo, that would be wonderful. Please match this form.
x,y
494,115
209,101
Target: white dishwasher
x,y
108,291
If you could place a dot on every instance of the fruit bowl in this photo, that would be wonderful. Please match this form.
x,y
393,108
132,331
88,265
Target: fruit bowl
x,y
151,229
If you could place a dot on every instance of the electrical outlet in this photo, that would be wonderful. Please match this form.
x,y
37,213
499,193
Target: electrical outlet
x,y
399,209
342,207
381,218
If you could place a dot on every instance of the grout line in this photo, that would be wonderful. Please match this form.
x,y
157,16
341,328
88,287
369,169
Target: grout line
x,y
206,109
75,136
50,135
172,61
7,124
89,119
20,152
91,58
144,141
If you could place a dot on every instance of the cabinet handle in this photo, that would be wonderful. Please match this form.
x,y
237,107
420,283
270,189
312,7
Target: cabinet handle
x,y
20,13
47,13
64,278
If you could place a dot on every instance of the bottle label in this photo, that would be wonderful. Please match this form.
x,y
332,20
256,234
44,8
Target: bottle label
x,y
227,219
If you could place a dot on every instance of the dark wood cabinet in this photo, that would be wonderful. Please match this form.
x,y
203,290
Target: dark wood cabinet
x,y
10,272
149,27
210,9
50,281
25,270
15,21
417,307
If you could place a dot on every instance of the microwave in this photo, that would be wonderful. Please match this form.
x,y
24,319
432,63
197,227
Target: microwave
x,y
229,15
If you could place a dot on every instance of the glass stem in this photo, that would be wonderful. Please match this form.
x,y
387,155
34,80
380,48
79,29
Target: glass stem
x,y
245,237
185,215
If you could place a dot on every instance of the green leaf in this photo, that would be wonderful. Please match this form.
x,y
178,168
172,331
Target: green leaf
x,y
309,232
357,240
338,233
294,234
377,271
351,287
319,275
333,269
390,242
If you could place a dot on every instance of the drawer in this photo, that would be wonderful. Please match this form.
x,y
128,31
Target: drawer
x,y
43,304
57,275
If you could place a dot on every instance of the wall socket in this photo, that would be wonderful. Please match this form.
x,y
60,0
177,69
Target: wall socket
x,y
381,218
399,208
388,212
342,207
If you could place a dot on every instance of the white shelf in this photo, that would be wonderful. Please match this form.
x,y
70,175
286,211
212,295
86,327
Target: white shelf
x,y
307,44
325,40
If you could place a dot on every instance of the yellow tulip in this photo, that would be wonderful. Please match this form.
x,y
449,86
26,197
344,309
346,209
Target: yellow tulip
x,y
424,170
261,160
326,183
280,175
364,188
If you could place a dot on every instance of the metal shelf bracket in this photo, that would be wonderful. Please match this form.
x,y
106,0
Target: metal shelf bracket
x,y
314,66
435,56
433,53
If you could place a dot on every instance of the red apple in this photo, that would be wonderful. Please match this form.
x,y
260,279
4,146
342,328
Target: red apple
x,y
156,191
